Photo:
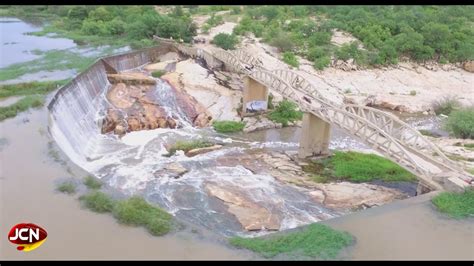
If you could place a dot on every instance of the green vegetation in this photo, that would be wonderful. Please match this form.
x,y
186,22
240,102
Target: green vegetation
x,y
137,212
134,211
413,93
427,133
315,241
225,41
188,145
98,202
357,167
228,126
92,182
121,25
50,60
158,73
270,101
471,170
456,205
30,101
29,88
286,111
440,33
460,123
290,59
67,187
446,105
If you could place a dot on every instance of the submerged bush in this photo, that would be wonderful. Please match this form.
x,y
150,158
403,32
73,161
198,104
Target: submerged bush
x,y
67,187
136,211
98,202
228,126
315,241
460,123
92,182
286,111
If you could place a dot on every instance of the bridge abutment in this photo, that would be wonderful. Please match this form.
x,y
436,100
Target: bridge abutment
x,y
315,136
254,92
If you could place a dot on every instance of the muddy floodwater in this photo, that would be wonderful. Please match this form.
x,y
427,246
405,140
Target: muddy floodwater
x,y
29,171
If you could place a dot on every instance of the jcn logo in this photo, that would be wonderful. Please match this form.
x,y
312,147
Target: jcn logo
x,y
27,236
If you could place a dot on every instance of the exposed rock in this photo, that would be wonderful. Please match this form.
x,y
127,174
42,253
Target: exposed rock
x,y
170,56
174,170
111,120
164,66
135,109
346,195
220,102
131,78
468,66
197,151
259,123
193,109
251,216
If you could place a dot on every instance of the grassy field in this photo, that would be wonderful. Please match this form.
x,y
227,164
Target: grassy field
x,y
30,101
315,241
456,205
357,167
228,126
188,145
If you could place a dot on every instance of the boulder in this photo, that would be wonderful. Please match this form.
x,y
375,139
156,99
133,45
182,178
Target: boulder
x,y
197,151
468,66
174,170
250,215
346,195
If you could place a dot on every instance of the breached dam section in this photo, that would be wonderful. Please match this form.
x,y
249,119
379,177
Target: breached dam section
x,y
232,189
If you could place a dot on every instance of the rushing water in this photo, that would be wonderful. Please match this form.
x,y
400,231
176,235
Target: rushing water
x,y
131,164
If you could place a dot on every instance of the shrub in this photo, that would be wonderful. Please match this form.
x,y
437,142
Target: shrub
x,y
290,59
461,123
456,205
413,93
92,182
67,187
98,202
188,145
270,101
158,73
286,111
283,42
225,41
322,63
137,212
446,105
315,241
228,126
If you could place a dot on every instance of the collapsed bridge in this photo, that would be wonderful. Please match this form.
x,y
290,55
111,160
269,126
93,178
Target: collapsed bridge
x,y
382,131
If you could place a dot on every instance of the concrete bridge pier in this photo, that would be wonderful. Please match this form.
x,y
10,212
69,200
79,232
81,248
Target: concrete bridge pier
x,y
315,136
253,91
